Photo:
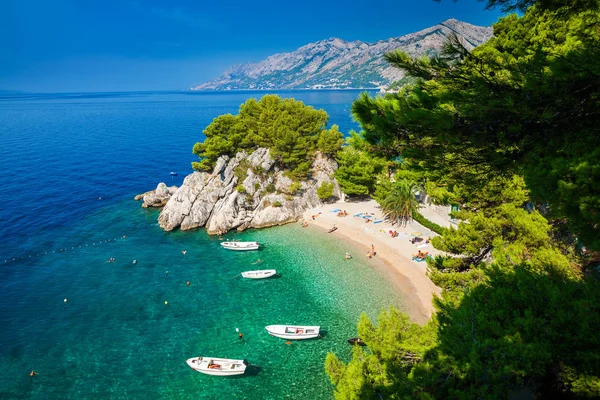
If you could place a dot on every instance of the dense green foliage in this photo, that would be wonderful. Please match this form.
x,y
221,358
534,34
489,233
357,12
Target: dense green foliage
x,y
523,5
500,131
525,102
358,168
291,131
516,317
395,344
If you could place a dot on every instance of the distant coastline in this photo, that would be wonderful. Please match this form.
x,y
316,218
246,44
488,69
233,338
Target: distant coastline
x,y
283,90
38,95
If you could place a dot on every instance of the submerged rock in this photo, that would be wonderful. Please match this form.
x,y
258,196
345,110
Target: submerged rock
x,y
247,191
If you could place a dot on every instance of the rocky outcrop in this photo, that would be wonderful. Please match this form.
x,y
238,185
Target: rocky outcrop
x,y
247,191
338,64
158,197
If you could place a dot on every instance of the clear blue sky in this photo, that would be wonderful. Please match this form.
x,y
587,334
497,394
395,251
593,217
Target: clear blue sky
x,y
120,45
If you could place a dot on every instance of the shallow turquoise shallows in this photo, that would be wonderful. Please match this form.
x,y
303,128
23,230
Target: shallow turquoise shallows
x,y
125,329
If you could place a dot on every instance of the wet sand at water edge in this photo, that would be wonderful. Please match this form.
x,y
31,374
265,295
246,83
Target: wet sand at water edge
x,y
393,254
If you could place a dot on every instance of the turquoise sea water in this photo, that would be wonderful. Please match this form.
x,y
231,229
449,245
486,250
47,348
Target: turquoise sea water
x,y
115,337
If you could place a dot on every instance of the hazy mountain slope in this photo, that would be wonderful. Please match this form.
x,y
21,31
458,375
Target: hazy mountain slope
x,y
338,64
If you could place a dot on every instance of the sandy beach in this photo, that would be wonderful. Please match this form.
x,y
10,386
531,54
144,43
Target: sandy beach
x,y
393,255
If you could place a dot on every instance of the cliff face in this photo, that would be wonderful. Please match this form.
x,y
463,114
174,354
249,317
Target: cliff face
x,y
247,191
338,64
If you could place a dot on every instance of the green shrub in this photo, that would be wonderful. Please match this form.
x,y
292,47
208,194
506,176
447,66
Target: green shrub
x,y
277,203
256,186
294,187
270,188
240,188
428,224
325,191
241,171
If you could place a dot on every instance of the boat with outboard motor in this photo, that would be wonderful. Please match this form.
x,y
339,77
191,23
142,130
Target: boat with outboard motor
x,y
259,274
217,366
295,332
240,246
356,341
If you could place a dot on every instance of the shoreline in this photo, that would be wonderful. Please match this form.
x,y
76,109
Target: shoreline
x,y
393,255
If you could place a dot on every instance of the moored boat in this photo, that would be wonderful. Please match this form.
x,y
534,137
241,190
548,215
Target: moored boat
x,y
356,340
296,332
240,246
217,366
259,274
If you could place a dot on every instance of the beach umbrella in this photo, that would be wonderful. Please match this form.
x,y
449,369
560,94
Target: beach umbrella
x,y
416,234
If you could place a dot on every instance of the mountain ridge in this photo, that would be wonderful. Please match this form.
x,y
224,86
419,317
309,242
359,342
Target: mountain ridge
x,y
336,63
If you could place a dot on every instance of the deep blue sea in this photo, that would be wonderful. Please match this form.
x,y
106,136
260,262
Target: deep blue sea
x,y
71,165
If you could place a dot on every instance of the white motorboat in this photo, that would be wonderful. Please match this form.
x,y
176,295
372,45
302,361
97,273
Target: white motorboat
x,y
218,366
240,246
293,331
260,274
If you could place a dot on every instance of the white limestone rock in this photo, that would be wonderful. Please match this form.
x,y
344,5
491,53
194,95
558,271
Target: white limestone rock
x,y
157,197
220,202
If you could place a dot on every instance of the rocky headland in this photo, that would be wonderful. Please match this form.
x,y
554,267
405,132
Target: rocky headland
x,y
245,191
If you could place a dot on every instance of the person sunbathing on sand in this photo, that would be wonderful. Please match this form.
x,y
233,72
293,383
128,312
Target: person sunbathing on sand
x,y
420,256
